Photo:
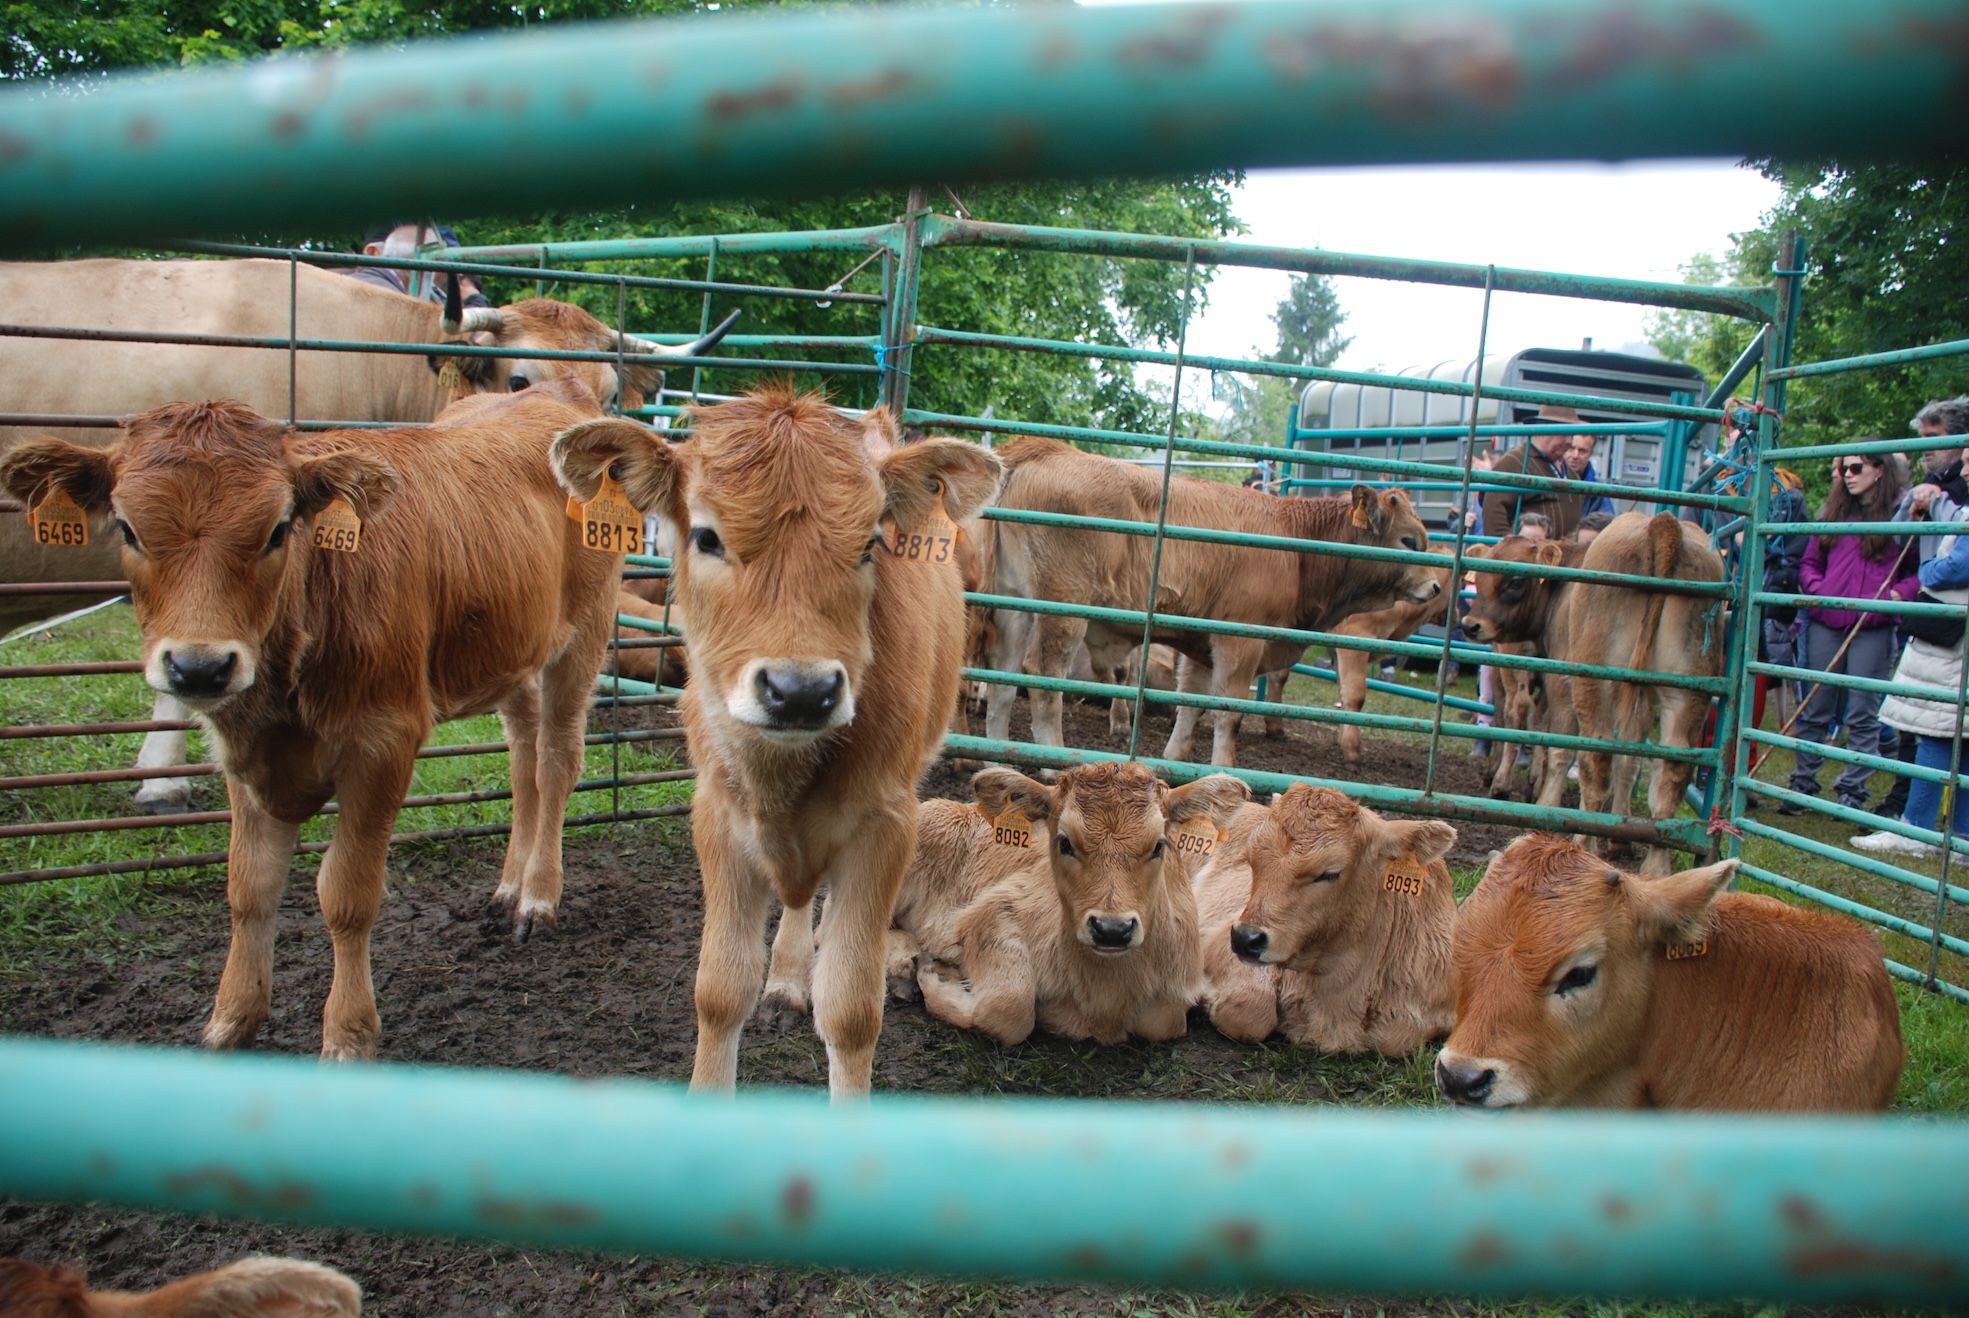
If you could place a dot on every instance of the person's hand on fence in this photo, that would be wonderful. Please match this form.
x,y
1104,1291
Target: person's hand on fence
x,y
1922,498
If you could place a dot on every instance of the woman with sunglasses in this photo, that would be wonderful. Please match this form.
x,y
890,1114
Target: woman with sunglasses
x,y
1865,488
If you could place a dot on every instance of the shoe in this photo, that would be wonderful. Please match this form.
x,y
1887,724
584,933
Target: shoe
x,y
1884,843
1480,750
1889,808
1854,803
1795,808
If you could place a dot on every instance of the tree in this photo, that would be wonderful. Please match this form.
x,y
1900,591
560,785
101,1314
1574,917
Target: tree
x,y
1030,294
1308,319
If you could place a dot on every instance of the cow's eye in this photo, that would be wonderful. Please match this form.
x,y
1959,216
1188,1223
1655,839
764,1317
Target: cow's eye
x,y
1155,852
1576,979
868,550
1408,542
705,541
1329,876
518,383
277,538
1066,847
129,536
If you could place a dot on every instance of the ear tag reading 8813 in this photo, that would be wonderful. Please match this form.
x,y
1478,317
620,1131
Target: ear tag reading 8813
x,y
934,541
1405,877
610,524
59,522
337,527
1199,837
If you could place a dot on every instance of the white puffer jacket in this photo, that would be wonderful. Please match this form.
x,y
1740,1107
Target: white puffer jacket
x,y
1929,664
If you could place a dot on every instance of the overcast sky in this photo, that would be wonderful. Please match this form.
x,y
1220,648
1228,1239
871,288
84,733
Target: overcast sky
x,y
1637,221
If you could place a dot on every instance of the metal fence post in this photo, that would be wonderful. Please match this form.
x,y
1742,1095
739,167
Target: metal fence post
x,y
899,338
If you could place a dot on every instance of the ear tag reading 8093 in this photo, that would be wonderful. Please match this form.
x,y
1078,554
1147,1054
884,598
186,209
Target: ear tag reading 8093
x,y
59,522
1405,877
932,542
610,524
1011,829
337,527
1199,837
1685,951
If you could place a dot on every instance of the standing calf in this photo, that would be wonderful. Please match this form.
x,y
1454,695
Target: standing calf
x,y
320,671
823,669
1581,986
1086,926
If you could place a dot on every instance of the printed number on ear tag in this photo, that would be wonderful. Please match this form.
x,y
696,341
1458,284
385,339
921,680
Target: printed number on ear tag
x,y
337,527
1012,829
58,522
934,541
1684,951
1405,876
610,524
1199,837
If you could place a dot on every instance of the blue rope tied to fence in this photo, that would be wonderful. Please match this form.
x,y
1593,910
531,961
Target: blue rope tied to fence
x,y
882,351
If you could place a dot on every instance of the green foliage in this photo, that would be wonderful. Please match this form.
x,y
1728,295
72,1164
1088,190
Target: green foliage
x,y
1308,319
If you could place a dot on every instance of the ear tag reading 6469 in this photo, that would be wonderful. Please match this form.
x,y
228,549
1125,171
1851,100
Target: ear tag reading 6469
x,y
934,541
1405,876
610,524
1199,837
337,527
59,522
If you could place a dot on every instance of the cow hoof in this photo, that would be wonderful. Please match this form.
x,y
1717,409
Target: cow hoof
x,y
782,1004
358,1047
528,921
227,1035
902,987
164,806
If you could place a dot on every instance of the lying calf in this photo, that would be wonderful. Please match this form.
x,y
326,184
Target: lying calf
x,y
1329,923
264,1287
1066,906
1581,986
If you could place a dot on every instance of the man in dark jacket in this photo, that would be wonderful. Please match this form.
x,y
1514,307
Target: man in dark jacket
x,y
402,238
1544,454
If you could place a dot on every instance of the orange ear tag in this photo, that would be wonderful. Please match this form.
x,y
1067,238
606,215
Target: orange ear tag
x,y
1012,829
337,527
59,522
610,524
1199,837
934,541
1686,951
1405,876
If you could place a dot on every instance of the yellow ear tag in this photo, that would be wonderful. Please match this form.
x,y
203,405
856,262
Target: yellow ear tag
x,y
1685,951
610,524
59,522
451,378
1199,837
1012,829
1405,876
935,541
337,526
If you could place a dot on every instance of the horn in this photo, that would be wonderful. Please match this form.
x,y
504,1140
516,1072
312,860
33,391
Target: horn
x,y
454,307
490,319
695,348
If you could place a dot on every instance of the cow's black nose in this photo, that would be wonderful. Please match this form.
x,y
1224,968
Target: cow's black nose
x,y
1112,930
199,673
1249,943
1461,1082
798,697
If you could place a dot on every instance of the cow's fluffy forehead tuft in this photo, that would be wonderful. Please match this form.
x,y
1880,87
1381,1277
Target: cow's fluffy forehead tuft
x,y
1542,889
184,433
1111,798
777,465
558,325
1307,818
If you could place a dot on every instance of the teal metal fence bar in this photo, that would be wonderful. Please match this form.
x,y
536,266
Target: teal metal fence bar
x,y
1323,1201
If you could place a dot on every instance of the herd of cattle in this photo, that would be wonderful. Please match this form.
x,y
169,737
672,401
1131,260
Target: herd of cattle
x,y
320,600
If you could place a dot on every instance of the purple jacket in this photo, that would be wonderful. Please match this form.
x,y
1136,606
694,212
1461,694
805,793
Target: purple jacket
x,y
1845,572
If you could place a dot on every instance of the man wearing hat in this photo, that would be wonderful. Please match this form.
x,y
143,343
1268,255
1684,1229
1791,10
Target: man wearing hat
x,y
1544,454
406,238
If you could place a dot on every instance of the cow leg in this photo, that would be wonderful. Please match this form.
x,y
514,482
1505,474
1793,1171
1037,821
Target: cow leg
x,y
991,989
1234,664
731,959
900,970
520,717
257,860
791,969
1273,725
1682,716
1592,698
1054,639
1009,643
862,883
1115,659
1193,678
566,686
163,750
350,889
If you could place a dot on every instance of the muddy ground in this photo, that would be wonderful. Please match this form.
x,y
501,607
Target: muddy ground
x,y
610,994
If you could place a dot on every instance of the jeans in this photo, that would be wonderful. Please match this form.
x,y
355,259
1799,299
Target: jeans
x,y
1870,655
1924,799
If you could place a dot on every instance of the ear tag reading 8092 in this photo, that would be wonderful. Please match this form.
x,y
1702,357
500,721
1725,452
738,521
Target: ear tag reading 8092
x,y
337,527
1011,829
1405,877
610,524
934,541
1199,837
59,522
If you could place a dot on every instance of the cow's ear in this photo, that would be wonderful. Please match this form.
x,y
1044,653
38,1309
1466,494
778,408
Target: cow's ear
x,y
1368,513
367,482
964,475
880,436
1425,839
1475,551
1677,906
38,468
1550,553
998,790
1219,796
648,469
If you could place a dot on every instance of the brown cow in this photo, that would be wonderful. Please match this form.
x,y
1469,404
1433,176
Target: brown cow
x,y
1328,922
1581,986
1268,586
257,1287
1527,615
320,672
1650,631
1085,926
1397,622
823,669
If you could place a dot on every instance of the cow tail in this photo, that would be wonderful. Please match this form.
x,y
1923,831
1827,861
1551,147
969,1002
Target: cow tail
x,y
1664,548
